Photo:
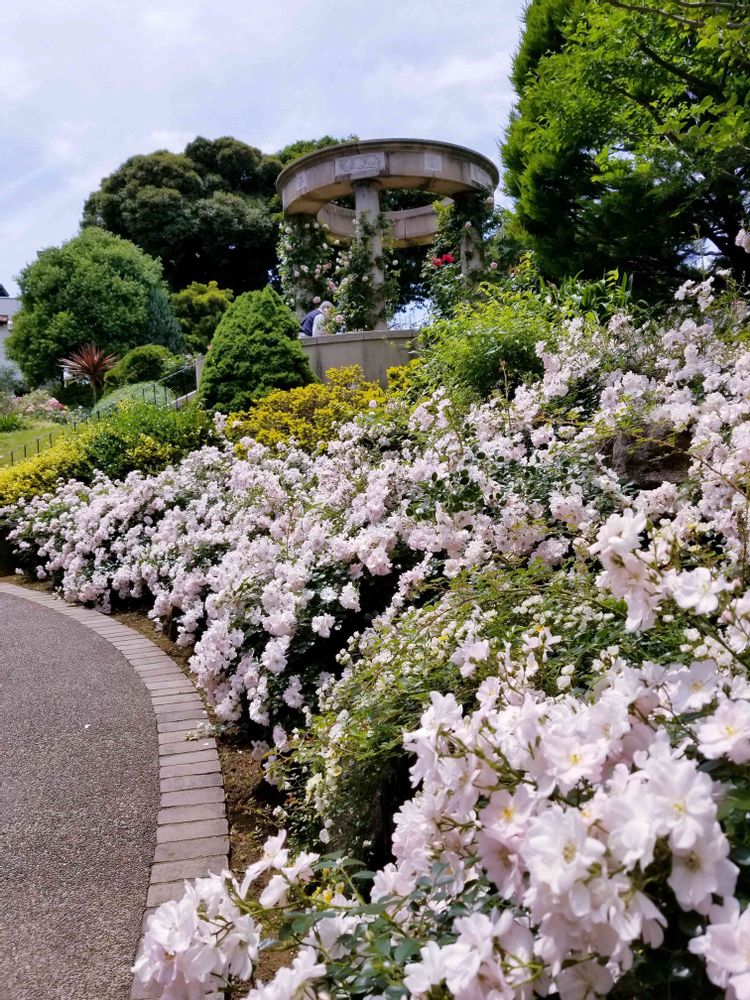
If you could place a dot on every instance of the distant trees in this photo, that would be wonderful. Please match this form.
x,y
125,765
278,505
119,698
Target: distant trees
x,y
629,145
199,309
304,146
209,213
206,212
94,289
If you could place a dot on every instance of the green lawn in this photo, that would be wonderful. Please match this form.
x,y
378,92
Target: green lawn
x,y
27,436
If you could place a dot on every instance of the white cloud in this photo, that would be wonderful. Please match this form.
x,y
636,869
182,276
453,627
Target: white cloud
x,y
165,138
171,21
66,143
87,85
453,71
17,80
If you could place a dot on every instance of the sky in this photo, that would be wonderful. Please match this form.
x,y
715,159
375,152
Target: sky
x,y
84,84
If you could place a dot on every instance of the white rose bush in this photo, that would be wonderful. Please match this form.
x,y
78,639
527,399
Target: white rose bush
x,y
498,649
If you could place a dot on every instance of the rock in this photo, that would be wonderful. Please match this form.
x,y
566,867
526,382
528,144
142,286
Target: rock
x,y
658,454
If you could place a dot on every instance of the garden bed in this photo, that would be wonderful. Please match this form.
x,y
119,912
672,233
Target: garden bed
x,y
467,632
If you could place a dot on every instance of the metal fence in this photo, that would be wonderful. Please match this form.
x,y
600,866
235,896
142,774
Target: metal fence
x,y
28,448
176,389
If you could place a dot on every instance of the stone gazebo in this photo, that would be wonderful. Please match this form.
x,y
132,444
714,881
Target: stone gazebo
x,y
311,185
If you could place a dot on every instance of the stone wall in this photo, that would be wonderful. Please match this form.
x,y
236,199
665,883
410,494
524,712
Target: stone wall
x,y
375,351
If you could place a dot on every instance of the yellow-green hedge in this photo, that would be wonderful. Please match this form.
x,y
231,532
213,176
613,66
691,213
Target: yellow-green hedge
x,y
309,414
64,459
136,435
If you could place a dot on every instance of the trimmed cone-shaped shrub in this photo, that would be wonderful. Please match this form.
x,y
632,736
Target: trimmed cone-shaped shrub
x,y
255,349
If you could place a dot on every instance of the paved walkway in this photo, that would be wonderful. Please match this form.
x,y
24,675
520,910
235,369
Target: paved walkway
x,y
79,794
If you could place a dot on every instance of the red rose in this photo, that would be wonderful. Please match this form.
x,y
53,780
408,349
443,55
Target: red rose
x,y
448,258
437,262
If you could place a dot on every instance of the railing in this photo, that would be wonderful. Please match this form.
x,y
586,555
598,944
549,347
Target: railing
x,y
168,391
178,393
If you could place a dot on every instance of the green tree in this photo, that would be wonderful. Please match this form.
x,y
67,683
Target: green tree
x,y
162,326
94,289
255,349
208,212
204,212
304,146
199,309
629,146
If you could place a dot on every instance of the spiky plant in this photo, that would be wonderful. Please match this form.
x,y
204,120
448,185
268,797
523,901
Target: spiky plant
x,y
89,364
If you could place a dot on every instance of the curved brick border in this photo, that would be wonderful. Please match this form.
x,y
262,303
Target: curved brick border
x,y
192,833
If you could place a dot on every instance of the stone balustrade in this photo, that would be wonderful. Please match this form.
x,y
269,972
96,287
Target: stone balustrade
x,y
375,351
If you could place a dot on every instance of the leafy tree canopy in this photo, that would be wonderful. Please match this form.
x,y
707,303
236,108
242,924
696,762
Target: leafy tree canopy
x,y
629,146
199,309
209,212
255,349
148,363
95,289
304,146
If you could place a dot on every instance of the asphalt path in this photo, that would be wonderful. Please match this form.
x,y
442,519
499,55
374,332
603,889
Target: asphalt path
x,y
79,794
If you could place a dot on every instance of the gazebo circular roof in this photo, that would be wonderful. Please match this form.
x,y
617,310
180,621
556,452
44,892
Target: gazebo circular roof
x,y
309,185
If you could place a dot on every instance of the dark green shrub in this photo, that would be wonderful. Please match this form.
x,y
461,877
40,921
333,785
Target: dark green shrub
x,y
255,349
141,436
148,363
69,393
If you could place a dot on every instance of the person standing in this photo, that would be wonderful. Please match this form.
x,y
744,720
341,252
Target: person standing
x,y
313,324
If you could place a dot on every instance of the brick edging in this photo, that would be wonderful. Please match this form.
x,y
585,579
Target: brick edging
x,y
192,835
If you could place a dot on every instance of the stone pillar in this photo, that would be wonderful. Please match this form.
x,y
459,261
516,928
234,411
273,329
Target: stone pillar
x,y
470,257
367,205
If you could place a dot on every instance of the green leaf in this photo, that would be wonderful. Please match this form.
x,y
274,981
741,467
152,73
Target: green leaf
x,y
405,950
741,856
